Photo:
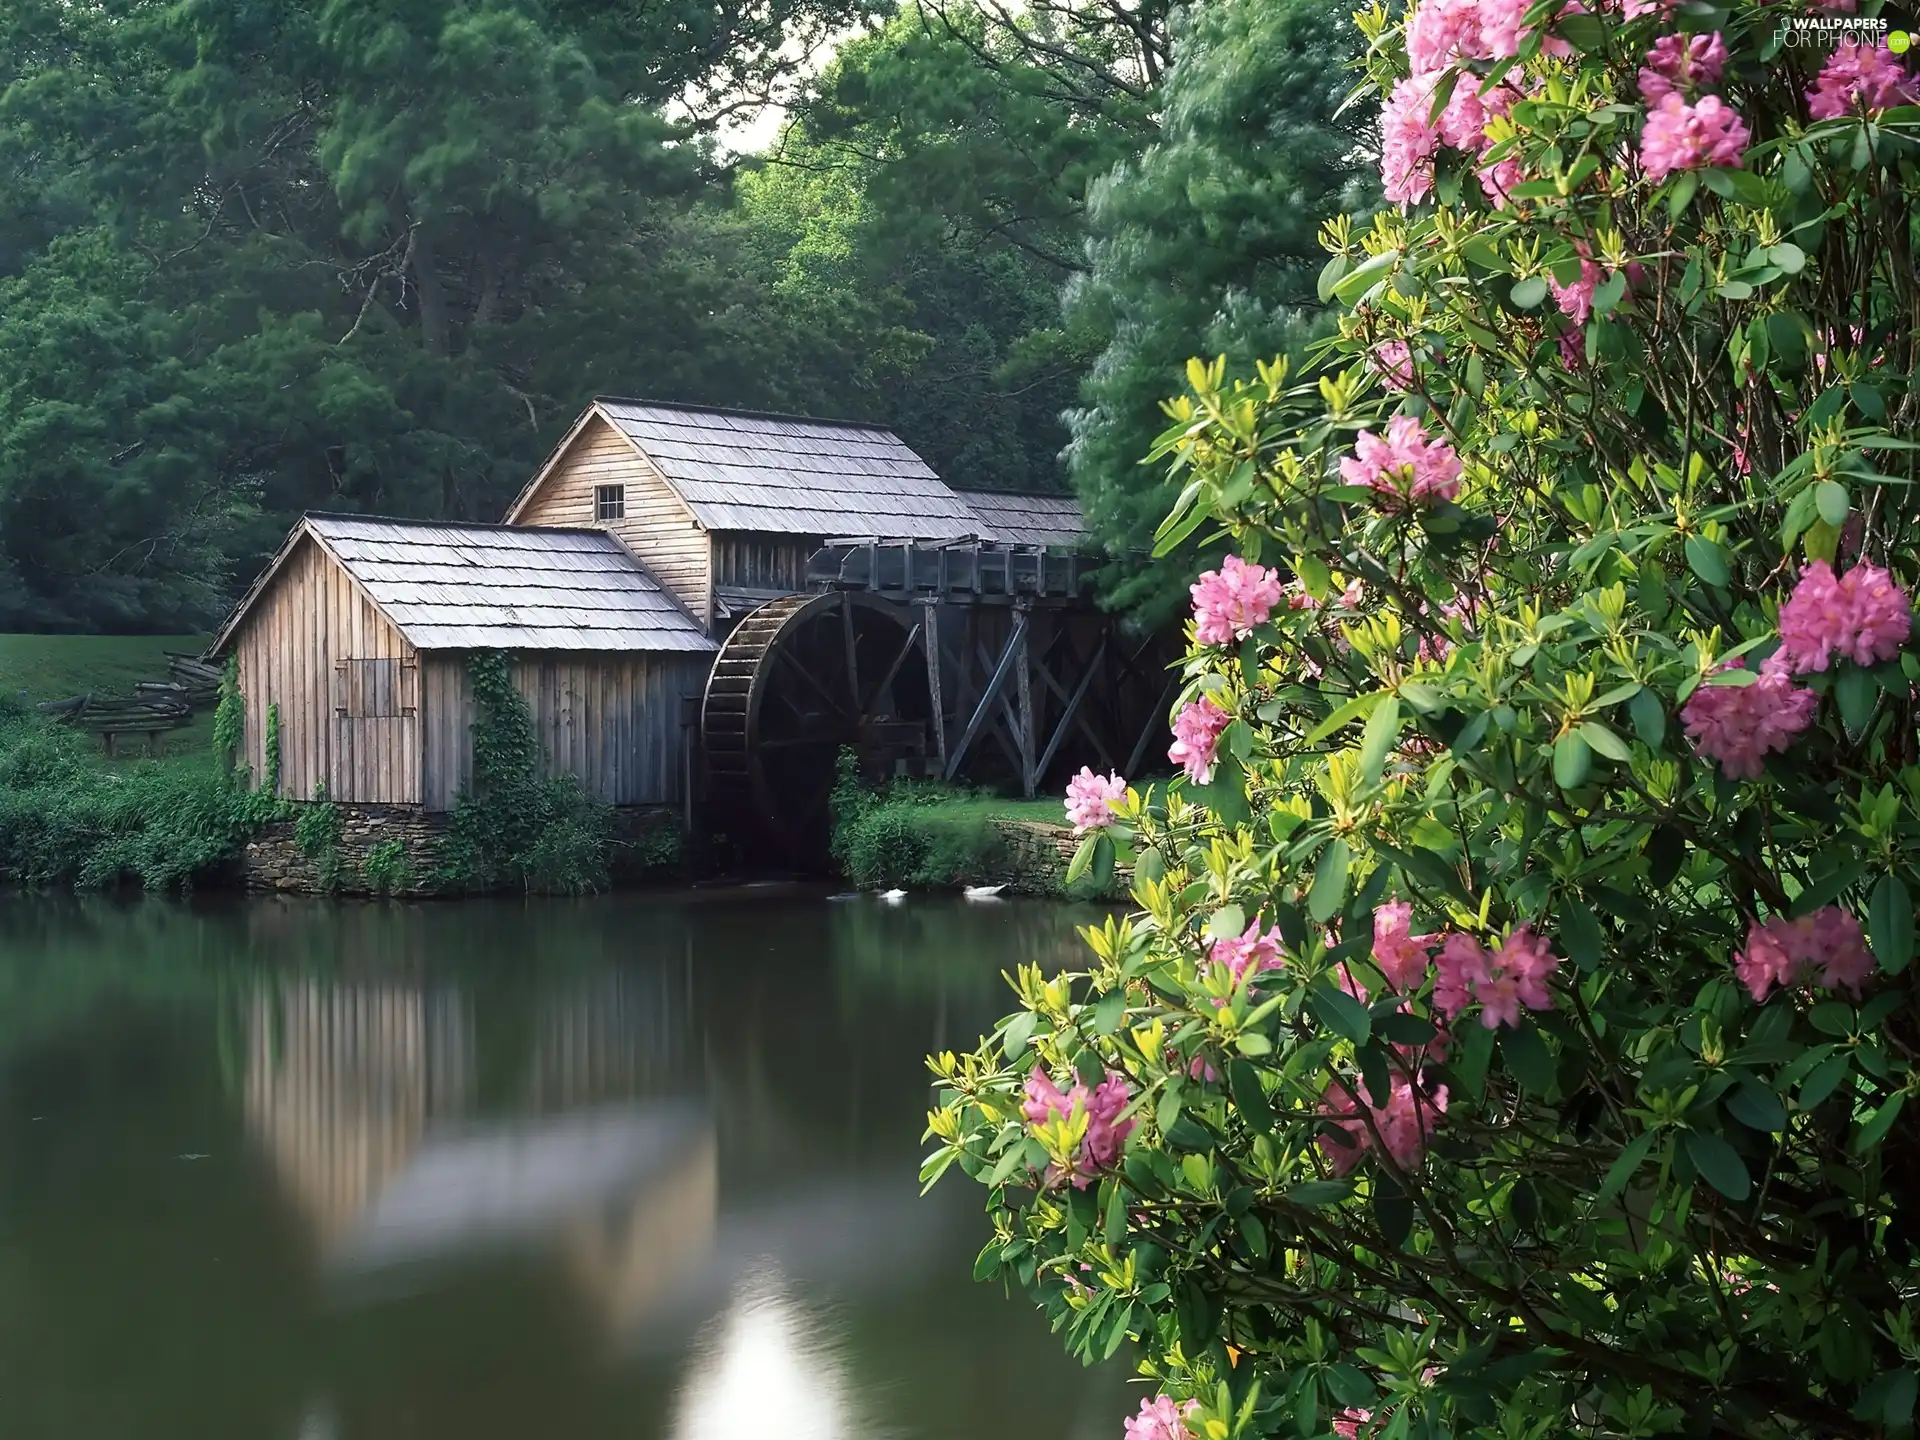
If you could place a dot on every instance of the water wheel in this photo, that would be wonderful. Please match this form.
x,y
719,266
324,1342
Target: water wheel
x,y
800,679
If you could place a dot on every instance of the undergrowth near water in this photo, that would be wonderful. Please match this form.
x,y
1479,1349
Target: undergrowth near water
x,y
514,828
67,818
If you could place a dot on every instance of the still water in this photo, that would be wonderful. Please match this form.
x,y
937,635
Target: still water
x,y
636,1167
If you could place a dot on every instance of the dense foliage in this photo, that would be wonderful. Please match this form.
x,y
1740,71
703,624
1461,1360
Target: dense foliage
x,y
1515,1033
514,828
1205,243
69,818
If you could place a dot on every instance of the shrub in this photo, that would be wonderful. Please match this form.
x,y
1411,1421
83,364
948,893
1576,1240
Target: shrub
x,y
1498,1048
387,869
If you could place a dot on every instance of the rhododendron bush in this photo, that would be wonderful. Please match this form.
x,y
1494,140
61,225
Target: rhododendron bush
x,y
1514,1031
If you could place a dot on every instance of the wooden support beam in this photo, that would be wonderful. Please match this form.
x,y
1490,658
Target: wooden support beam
x,y
1015,650
1068,715
1023,688
930,628
1156,724
893,669
853,657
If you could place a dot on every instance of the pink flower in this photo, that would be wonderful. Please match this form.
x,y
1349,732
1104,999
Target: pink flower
x,y
1576,300
1497,179
1201,1068
1091,798
1462,965
1346,1143
1784,952
1679,136
1161,1419
1634,9
1443,32
1406,465
1504,981
1106,1132
1392,361
1408,140
1402,956
1859,78
1250,951
1407,1123
1864,616
1230,601
1347,1427
1740,725
1196,735
1682,62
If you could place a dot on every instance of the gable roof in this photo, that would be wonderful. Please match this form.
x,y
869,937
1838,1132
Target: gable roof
x,y
1020,518
785,475
495,587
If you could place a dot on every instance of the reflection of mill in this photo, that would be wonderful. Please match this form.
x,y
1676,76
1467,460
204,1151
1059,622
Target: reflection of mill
x,y
363,1095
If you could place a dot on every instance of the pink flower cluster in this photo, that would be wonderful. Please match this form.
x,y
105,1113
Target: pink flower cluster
x,y
1230,601
1862,616
1106,1130
1392,361
1679,136
1091,798
1859,78
1161,1419
1786,952
1249,952
1442,34
1196,737
1501,980
1404,1124
1740,725
1402,956
1347,1426
1576,300
1682,63
1407,466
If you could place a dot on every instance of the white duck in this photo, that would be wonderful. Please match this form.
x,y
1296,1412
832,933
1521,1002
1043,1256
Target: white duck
x,y
983,892
893,897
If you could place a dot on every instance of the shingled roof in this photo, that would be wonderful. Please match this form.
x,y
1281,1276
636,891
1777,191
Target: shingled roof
x,y
789,476
1027,519
496,587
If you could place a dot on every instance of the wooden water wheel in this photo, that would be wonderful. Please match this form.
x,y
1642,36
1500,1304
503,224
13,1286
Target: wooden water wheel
x,y
800,679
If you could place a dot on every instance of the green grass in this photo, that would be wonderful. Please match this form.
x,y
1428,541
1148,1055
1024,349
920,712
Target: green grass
x,y
58,667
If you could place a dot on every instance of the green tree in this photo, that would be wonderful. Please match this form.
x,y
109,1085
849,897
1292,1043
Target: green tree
x,y
1205,244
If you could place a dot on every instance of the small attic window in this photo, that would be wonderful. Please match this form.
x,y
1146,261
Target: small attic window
x,y
609,502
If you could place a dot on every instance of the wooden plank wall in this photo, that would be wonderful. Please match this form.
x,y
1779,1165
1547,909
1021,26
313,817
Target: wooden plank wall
x,y
771,562
657,527
612,720
311,616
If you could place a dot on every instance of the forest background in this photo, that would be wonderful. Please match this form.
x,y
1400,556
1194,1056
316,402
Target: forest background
x,y
265,256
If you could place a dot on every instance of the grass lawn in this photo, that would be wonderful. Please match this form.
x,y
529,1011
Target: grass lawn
x,y
1046,809
56,667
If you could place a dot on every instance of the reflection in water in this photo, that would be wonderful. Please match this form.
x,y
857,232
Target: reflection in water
x,y
767,1368
529,1152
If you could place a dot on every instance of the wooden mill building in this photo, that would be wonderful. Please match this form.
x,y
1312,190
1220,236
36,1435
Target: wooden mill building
x,y
638,546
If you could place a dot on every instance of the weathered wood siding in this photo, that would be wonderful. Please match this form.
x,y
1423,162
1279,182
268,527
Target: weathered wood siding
x,y
657,526
771,562
612,720
315,646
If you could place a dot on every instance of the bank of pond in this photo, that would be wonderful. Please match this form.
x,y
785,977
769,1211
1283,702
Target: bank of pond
x,y
72,818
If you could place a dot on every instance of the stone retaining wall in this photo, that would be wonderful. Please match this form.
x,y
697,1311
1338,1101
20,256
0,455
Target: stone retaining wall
x,y
274,860
1038,855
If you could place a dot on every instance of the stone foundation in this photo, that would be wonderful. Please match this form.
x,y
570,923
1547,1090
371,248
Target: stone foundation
x,y
1038,856
274,860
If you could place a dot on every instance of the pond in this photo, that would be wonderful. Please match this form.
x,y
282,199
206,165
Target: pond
x,y
634,1166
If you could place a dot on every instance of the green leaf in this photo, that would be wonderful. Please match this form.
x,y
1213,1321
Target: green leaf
x,y
1611,292
1756,1107
1528,1059
1878,1123
1101,870
1572,760
1824,1080
1252,1042
1529,292
1581,934
1604,742
1856,690
1719,1164
1019,1031
1108,1011
1649,718
1229,922
1329,881
1623,1167
1365,276
1331,274
1890,918
1341,1013
1393,1213
1082,858
1248,1097
1320,1192
1707,560
1344,715
1383,729
1830,499
1682,194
